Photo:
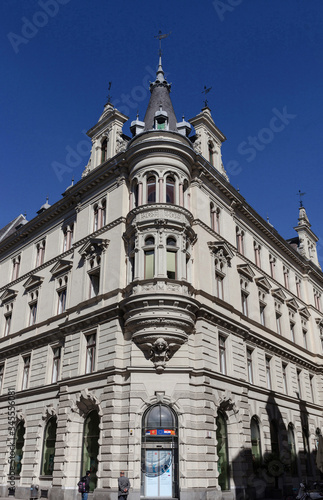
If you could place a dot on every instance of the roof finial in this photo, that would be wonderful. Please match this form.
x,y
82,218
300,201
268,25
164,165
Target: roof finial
x,y
160,72
206,91
300,194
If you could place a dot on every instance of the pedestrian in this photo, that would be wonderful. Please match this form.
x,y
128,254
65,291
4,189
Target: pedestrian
x,y
123,486
86,479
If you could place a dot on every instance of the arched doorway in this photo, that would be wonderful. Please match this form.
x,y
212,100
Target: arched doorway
x,y
91,447
159,460
47,465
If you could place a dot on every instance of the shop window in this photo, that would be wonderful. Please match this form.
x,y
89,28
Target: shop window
x,y
170,190
255,444
151,189
19,447
90,452
222,452
47,465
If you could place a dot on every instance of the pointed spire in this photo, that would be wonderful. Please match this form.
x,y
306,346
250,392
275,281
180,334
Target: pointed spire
x,y
160,72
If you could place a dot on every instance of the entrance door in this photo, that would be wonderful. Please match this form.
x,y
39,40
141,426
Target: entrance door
x,y
159,473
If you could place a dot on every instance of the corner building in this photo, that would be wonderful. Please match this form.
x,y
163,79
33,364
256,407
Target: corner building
x,y
151,321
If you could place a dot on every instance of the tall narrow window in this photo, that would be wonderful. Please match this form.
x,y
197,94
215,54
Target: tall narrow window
x,y
151,189
26,372
95,218
222,357
255,444
222,452
292,331
278,323
305,338
56,364
249,365
40,253
94,275
7,319
170,190
19,447
312,388
211,153
284,375
257,253
262,308
219,284
103,213
244,302
33,308
268,372
90,353
299,387
286,277
47,465
149,253
104,150
292,451
240,240
1,377
91,447
272,264
317,300
171,258
62,293
298,287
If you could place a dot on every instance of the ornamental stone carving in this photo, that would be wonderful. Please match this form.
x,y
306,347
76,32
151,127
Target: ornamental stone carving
x,y
159,354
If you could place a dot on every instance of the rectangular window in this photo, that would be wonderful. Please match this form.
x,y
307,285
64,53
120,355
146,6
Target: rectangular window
x,y
312,388
219,286
298,288
40,253
222,359
292,331
257,254
305,338
286,278
171,264
240,242
15,267
56,364
90,353
272,263
278,323
149,264
244,303
249,365
262,308
33,312
298,375
7,326
1,376
268,372
284,370
61,300
25,374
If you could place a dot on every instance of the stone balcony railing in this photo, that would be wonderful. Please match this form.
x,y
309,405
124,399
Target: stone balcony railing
x,y
166,212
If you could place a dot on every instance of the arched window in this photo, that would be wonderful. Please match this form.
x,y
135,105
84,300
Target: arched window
x,y
222,452
95,218
151,189
103,212
171,258
292,450
136,194
255,444
274,438
170,190
159,453
19,447
91,447
47,465
104,150
149,253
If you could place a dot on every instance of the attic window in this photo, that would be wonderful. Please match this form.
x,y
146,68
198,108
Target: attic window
x,y
161,124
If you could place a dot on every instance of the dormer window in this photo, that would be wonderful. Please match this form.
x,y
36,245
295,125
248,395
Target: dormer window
x,y
161,119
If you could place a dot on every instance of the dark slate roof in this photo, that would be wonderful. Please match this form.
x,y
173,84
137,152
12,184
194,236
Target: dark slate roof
x,y
160,97
11,227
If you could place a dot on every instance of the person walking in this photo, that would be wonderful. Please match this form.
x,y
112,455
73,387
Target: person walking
x,y
86,479
123,486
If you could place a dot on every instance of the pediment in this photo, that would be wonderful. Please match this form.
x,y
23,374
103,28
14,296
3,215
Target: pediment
x,y
93,246
33,282
263,283
293,304
279,294
246,270
304,312
8,295
61,267
221,250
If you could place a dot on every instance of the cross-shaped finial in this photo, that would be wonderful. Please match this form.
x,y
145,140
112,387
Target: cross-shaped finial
x,y
300,194
109,96
206,91
160,37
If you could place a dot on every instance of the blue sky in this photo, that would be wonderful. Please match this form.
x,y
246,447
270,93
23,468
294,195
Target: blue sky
x,y
262,59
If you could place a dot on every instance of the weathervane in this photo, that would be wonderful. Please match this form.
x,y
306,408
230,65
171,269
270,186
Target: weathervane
x,y
300,197
160,37
206,91
109,96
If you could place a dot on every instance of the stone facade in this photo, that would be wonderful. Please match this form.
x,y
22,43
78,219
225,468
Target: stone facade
x,y
153,284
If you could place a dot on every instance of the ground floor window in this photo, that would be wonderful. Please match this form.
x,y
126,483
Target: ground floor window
x,y
91,447
47,466
222,452
20,442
